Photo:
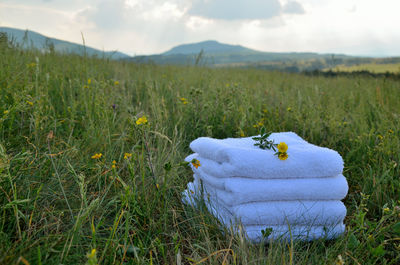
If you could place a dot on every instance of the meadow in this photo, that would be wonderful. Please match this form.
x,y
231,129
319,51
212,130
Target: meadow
x,y
82,183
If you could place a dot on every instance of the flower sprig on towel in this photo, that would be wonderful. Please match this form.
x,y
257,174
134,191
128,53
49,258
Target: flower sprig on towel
x,y
264,143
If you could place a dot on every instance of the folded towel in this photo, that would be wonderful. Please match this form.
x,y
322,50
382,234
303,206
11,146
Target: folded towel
x,y
279,232
287,233
238,156
238,190
275,212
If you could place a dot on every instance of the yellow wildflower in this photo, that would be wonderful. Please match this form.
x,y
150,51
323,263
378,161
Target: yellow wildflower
x,y
97,156
116,83
386,210
289,109
6,112
184,101
141,120
127,155
29,102
114,164
282,147
31,65
380,136
196,163
390,131
92,254
283,156
157,186
89,81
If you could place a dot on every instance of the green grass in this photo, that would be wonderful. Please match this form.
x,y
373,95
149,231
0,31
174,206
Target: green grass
x,y
58,203
370,67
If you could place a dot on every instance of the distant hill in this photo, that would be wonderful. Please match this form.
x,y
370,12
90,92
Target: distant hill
x,y
213,53
29,39
208,47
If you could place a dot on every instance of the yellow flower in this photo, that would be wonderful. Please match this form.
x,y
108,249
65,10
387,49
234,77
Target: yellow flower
x,y
283,156
282,147
157,186
89,81
386,210
196,163
127,155
289,109
141,120
184,101
6,112
97,155
92,254
31,65
380,136
116,83
390,131
29,102
114,164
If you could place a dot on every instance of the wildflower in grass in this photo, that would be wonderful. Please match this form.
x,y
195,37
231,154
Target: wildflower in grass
x,y
127,155
390,131
259,124
114,164
195,163
97,156
29,102
380,136
31,65
141,121
116,83
283,156
282,147
6,112
157,186
89,81
386,210
184,101
289,109
92,259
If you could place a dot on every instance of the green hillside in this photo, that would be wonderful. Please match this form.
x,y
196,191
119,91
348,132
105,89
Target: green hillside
x,y
84,179
27,39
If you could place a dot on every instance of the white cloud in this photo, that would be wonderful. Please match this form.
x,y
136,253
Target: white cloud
x,y
154,26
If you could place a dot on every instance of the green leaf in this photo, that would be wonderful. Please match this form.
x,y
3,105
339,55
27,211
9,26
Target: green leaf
x,y
167,166
265,233
353,242
378,251
396,228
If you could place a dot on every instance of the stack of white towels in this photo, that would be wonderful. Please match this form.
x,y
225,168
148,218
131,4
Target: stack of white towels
x,y
244,185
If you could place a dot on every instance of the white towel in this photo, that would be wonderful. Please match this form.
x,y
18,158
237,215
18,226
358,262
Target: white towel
x,y
276,212
238,190
238,156
279,232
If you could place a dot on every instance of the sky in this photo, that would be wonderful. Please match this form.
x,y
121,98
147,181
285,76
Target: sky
x,y
139,27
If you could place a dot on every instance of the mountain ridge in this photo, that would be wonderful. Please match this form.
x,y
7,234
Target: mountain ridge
x,y
28,39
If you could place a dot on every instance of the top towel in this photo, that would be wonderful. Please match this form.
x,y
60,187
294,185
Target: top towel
x,y
240,157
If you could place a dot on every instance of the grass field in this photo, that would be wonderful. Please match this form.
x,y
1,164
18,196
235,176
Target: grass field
x,y
370,67
64,203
